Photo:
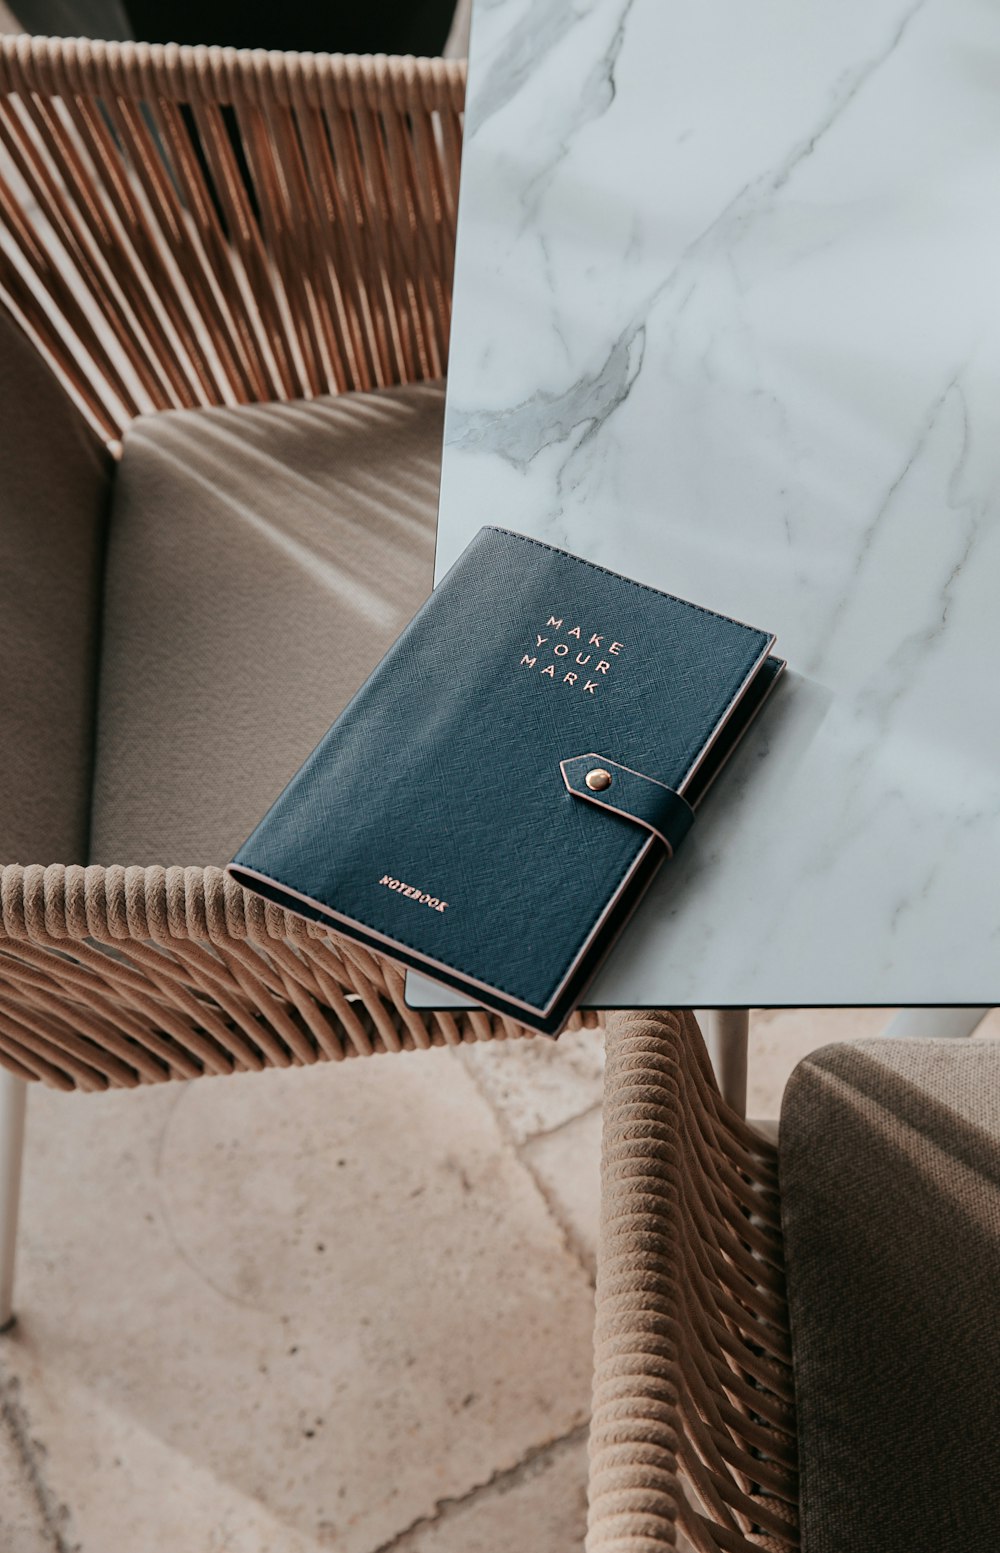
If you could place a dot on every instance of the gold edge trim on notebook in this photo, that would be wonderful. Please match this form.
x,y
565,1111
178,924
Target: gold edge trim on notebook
x,y
601,566
239,872
727,717
723,763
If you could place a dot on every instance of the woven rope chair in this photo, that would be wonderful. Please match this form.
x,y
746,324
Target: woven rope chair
x,y
693,1437
193,227
183,228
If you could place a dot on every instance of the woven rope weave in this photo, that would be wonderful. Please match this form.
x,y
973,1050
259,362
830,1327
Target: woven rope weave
x,y
693,1428
180,73
200,226
184,227
194,226
123,976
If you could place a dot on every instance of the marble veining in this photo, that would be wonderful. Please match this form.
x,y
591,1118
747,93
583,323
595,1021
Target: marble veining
x,y
727,319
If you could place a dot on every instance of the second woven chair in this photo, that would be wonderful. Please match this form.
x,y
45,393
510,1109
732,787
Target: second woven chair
x,y
225,290
264,244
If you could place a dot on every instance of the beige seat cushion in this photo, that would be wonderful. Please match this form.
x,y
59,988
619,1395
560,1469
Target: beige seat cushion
x,y
260,562
890,1178
55,480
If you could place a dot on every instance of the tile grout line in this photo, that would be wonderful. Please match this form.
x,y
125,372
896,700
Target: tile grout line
x,y
518,1148
504,1477
14,1418
571,1240
567,1121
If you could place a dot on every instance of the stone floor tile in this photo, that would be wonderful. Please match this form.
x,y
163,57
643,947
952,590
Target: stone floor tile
x,y
535,1085
781,1037
23,1526
287,1312
540,1507
567,1165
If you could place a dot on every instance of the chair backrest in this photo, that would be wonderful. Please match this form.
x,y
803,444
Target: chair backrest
x,y
195,226
55,478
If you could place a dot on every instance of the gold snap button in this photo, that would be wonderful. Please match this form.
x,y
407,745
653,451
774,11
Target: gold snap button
x,y
598,779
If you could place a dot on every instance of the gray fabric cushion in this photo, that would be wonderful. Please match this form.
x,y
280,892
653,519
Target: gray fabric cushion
x,y
55,479
260,562
890,1178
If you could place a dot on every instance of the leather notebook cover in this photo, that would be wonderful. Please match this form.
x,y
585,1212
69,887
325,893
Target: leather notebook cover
x,y
492,803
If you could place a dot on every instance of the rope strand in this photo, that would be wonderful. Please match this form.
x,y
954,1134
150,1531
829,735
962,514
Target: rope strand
x,y
191,226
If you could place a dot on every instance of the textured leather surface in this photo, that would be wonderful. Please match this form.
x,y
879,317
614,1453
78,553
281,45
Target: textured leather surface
x,y
442,776
640,798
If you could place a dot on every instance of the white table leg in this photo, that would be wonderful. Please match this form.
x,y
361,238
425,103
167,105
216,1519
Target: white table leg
x,y
13,1099
919,1023
726,1032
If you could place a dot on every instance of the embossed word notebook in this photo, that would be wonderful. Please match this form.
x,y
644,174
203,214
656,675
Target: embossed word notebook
x,y
493,802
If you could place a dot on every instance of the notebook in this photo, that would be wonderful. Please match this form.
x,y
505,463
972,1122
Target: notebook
x,y
491,805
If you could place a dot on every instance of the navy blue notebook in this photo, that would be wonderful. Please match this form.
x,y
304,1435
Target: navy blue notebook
x,y
490,806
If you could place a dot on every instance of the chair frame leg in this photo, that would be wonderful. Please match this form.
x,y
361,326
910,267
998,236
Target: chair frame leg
x,y
946,1023
727,1035
13,1104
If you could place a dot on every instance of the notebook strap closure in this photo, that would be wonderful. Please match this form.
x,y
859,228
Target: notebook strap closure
x,y
651,804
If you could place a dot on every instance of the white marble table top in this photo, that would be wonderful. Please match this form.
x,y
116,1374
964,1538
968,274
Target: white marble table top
x,y
727,319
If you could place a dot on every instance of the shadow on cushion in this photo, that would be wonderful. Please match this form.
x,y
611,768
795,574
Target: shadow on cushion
x,y
260,562
890,1178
